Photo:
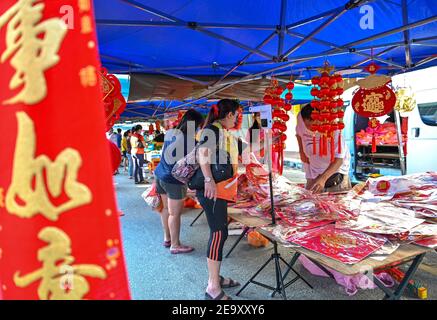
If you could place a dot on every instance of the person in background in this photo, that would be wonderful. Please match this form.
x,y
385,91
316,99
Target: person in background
x,y
129,153
138,145
159,136
322,175
124,149
172,191
119,138
255,137
113,137
215,196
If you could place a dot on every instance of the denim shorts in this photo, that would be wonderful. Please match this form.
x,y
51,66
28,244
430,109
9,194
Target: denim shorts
x,y
172,190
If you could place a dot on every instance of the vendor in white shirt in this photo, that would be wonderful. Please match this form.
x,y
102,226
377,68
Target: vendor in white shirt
x,y
321,174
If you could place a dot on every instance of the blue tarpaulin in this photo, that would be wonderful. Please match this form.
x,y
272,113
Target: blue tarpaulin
x,y
242,40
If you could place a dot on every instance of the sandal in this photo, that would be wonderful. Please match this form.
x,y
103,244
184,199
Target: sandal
x,y
231,283
181,249
167,244
219,297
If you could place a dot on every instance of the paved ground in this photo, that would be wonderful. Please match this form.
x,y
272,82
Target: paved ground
x,y
156,274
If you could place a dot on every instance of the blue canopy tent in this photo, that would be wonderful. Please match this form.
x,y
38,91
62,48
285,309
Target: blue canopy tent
x,y
212,49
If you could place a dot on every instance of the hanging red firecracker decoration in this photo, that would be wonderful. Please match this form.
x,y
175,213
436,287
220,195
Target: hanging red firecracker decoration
x,y
280,107
374,98
113,101
327,112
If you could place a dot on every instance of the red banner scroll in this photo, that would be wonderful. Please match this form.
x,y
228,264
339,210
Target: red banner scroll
x,y
59,225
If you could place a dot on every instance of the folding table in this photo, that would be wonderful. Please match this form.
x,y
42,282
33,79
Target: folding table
x,y
404,254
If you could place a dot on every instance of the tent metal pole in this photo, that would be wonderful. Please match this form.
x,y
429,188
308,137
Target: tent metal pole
x,y
195,27
408,59
154,12
130,64
142,23
236,71
424,39
397,43
203,83
236,43
426,44
240,63
332,45
424,61
282,28
135,112
334,17
393,31
313,18
144,68
157,108
361,41
376,55
148,107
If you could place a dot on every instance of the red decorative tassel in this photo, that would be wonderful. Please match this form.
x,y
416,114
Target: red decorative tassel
x,y
373,143
404,130
339,142
325,145
314,144
332,147
320,146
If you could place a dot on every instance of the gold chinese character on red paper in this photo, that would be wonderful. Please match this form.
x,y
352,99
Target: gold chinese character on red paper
x,y
88,76
38,180
84,5
32,47
374,103
59,278
86,25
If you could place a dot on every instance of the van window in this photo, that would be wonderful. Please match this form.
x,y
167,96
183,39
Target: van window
x,y
428,113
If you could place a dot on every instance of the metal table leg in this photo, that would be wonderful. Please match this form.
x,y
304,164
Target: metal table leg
x,y
195,219
245,230
397,294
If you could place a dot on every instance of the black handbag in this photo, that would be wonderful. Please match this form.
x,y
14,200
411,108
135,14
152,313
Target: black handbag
x,y
334,180
222,170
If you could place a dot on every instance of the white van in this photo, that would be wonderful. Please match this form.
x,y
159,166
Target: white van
x,y
422,130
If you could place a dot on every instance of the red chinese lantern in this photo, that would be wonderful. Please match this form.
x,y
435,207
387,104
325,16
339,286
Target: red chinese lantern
x,y
328,110
374,98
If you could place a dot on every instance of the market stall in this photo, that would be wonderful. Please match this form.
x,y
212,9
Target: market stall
x,y
379,225
325,47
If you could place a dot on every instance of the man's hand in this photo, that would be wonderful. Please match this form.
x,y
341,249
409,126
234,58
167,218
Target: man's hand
x,y
318,185
304,158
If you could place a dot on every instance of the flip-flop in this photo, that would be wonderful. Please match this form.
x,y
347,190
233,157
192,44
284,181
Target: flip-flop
x,y
231,284
219,297
167,244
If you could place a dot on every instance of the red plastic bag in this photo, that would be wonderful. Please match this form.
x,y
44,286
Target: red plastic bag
x,y
152,198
